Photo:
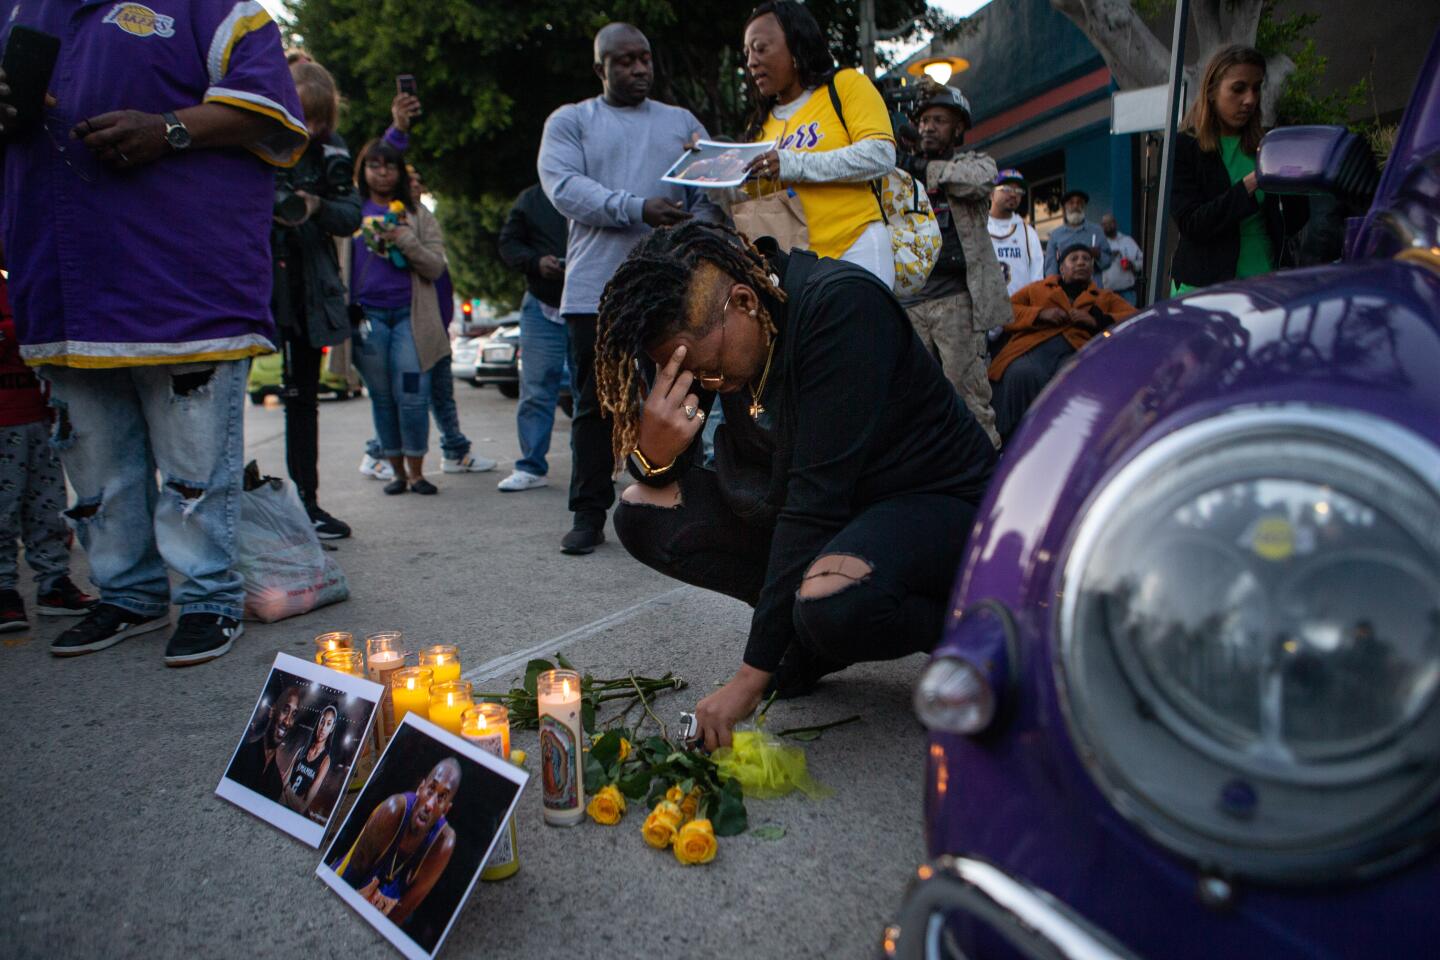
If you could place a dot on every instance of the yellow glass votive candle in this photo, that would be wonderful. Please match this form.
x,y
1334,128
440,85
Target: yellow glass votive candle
x,y
560,739
384,654
344,660
335,640
487,725
410,691
448,703
444,660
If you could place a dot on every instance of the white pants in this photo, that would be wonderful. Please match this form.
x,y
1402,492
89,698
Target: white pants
x,y
871,250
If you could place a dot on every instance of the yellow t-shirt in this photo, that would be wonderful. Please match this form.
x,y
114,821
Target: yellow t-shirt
x,y
837,213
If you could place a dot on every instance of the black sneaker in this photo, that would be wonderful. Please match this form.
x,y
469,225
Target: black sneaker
x,y
12,612
201,637
582,540
424,486
66,600
105,626
326,526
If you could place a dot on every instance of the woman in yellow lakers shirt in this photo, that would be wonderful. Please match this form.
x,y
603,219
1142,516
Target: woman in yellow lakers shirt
x,y
827,160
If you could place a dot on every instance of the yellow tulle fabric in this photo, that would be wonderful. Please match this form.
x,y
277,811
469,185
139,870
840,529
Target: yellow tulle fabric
x,y
767,768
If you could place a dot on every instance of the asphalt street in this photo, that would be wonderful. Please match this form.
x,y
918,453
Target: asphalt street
x,y
114,844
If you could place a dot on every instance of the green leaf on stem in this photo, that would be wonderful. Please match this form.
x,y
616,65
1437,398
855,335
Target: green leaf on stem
x,y
606,750
728,816
803,735
587,715
594,774
770,831
564,664
533,669
635,785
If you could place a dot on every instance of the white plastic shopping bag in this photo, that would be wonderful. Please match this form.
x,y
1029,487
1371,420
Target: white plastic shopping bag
x,y
286,573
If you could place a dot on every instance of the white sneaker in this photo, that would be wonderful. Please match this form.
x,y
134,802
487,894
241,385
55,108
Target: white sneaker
x,y
377,469
521,480
467,464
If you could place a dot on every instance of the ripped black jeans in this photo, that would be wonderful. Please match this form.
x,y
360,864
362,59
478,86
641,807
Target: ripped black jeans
x,y
912,544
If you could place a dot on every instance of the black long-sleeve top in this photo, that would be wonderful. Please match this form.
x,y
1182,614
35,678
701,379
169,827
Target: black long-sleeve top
x,y
861,413
534,229
1208,211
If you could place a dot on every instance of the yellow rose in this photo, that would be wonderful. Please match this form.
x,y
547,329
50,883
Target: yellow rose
x,y
658,831
670,811
396,206
517,757
695,843
674,795
624,750
607,806
691,804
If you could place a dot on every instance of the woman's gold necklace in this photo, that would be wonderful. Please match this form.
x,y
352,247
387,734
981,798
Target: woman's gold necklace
x,y
756,408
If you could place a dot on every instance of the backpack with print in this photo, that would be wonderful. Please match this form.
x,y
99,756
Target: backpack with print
x,y
909,219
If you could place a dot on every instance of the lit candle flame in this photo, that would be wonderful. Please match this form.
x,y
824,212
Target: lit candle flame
x,y
409,683
565,688
483,724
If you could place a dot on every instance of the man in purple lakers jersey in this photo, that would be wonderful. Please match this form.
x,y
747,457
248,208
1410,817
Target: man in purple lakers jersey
x,y
405,845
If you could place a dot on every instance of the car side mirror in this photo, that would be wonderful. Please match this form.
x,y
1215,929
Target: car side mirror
x,y
1315,159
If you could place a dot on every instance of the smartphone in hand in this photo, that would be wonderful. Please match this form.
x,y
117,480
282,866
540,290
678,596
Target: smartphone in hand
x,y
29,61
405,83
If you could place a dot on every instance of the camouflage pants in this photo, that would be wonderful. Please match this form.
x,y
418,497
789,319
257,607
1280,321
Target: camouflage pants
x,y
32,494
945,326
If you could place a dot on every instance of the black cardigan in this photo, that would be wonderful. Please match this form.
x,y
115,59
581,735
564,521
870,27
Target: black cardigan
x,y
861,413
1208,209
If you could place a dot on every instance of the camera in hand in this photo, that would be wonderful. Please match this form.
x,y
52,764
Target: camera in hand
x,y
331,177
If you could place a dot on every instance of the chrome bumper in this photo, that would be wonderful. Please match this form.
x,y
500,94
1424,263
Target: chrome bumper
x,y
1029,919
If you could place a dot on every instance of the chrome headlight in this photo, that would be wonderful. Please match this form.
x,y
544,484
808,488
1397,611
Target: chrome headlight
x,y
1250,639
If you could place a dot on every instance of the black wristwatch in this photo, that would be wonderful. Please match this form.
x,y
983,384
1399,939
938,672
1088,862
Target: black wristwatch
x,y
176,134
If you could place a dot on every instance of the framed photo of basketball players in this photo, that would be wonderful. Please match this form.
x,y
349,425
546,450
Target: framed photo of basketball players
x,y
310,728
412,847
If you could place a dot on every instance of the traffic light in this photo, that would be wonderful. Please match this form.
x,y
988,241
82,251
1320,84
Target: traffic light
x,y
467,308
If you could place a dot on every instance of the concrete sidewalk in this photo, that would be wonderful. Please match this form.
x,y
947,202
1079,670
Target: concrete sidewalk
x,y
115,845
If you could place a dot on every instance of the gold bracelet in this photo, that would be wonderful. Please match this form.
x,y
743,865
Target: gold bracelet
x,y
646,468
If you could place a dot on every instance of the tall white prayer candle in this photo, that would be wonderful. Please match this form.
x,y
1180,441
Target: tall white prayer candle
x,y
561,737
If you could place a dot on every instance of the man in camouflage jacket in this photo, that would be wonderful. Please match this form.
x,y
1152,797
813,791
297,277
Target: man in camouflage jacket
x,y
965,294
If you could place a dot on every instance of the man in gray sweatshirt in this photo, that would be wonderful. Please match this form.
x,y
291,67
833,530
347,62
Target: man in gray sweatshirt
x,y
600,163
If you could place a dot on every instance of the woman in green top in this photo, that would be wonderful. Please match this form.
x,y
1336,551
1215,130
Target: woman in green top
x,y
1228,227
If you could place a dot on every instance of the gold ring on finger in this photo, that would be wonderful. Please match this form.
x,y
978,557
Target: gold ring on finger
x,y
691,411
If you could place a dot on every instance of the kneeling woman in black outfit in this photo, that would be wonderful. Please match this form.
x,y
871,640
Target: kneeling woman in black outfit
x,y
847,471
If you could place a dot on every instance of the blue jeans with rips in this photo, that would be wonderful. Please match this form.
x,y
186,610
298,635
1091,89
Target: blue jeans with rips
x,y
114,428
399,389
544,345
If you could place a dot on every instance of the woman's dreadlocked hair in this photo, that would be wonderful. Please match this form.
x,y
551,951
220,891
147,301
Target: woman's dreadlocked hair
x,y
645,302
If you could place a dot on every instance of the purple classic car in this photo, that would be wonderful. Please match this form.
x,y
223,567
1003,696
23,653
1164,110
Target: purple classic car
x,y
1188,704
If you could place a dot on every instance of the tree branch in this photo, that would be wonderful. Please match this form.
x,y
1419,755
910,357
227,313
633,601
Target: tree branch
x,y
1135,56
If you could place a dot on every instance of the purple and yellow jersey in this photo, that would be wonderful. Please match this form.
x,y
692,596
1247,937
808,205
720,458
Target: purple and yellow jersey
x,y
164,263
395,875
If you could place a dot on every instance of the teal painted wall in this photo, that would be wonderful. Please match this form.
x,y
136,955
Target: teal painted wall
x,y
1020,48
